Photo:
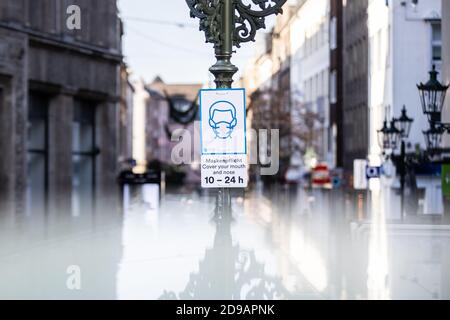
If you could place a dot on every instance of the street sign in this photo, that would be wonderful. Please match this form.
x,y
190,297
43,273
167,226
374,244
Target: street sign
x,y
360,175
373,172
321,177
446,180
223,138
337,182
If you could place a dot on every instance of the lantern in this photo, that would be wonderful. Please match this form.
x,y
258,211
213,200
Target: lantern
x,y
405,123
432,96
389,137
433,138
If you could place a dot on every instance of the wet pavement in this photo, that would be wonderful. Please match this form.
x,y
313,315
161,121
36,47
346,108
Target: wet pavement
x,y
280,243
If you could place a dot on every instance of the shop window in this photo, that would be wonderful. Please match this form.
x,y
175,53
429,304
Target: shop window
x,y
37,153
83,157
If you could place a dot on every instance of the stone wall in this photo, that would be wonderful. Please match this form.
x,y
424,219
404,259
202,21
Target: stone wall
x,y
100,25
39,54
13,80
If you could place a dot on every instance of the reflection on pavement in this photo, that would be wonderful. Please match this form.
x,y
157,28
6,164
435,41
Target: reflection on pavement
x,y
229,273
279,243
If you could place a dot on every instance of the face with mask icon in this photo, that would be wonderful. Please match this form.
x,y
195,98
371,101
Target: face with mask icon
x,y
222,119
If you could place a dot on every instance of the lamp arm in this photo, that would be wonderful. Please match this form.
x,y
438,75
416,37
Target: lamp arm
x,y
249,21
248,18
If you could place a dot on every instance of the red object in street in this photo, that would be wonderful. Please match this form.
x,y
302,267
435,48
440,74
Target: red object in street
x,y
321,176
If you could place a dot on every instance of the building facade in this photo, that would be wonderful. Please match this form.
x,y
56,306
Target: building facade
x,y
355,83
257,80
268,81
310,80
336,45
405,41
59,104
281,102
393,29
289,86
126,120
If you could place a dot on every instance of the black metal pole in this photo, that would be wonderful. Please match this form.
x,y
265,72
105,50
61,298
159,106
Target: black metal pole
x,y
223,72
402,177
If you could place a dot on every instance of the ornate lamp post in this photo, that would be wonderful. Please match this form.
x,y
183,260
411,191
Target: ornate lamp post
x,y
432,97
228,24
389,138
405,123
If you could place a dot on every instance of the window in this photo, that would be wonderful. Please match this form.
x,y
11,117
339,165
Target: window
x,y
1,99
325,76
333,33
388,44
83,156
333,87
307,91
37,153
436,44
371,56
315,85
379,44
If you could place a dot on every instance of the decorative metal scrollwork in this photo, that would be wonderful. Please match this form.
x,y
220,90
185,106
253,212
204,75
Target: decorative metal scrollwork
x,y
249,17
248,20
208,11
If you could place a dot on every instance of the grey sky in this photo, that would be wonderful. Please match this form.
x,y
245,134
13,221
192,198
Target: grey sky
x,y
178,55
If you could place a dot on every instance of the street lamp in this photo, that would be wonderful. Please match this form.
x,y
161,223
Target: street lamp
x,y
432,96
389,138
405,123
433,138
228,24
383,136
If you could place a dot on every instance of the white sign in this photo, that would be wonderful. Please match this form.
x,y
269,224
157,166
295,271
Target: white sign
x,y
223,138
360,174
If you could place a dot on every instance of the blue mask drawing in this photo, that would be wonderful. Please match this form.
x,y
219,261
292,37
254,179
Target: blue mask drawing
x,y
222,119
